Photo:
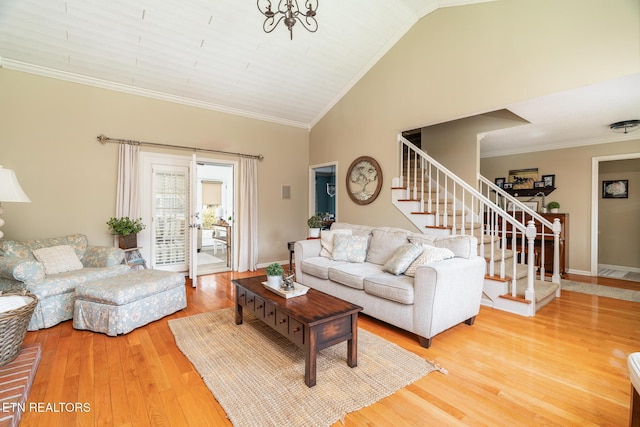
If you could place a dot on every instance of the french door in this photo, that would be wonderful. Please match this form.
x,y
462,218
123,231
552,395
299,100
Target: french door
x,y
170,218
171,212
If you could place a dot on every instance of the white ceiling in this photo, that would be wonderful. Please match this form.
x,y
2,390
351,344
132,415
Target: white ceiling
x,y
209,53
214,54
568,119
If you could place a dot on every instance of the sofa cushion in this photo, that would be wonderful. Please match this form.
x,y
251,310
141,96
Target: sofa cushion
x,y
356,230
326,240
402,258
24,249
56,284
429,255
353,275
58,259
461,246
349,248
393,288
384,242
422,239
318,266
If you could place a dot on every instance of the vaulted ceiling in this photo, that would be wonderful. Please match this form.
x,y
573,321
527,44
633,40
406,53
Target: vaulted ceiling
x,y
215,55
212,54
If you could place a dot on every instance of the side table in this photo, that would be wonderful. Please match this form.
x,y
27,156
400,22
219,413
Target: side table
x,y
133,258
290,246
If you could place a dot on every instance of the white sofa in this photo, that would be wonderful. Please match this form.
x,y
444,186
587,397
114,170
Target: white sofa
x,y
442,294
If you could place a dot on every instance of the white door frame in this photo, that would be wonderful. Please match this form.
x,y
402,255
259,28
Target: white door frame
x,y
595,200
312,186
148,158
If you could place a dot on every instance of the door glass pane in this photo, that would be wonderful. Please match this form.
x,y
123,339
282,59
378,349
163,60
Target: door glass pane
x,y
171,194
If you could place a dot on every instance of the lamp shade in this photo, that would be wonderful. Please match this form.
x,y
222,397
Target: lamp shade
x,y
10,190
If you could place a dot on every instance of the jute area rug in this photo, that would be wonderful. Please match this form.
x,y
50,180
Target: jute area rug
x,y
257,376
599,290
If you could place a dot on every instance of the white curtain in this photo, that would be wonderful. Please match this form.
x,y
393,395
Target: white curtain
x,y
128,199
248,221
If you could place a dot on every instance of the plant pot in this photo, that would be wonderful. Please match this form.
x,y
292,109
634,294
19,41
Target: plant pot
x,y
129,241
274,281
314,233
555,210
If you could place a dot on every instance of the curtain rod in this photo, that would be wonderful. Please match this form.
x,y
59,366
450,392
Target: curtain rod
x,y
103,139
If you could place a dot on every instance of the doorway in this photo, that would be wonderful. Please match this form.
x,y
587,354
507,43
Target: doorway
x,y
188,206
615,233
323,191
214,193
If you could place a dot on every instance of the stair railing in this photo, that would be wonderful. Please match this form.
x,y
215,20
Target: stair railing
x,y
442,194
544,227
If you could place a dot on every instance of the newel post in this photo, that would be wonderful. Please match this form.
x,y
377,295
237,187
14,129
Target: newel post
x,y
530,293
557,228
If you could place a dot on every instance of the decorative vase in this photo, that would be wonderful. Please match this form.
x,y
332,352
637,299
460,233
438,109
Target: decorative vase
x,y
274,281
129,241
314,233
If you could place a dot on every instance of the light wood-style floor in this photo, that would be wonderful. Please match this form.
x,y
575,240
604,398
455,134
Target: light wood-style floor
x,y
565,366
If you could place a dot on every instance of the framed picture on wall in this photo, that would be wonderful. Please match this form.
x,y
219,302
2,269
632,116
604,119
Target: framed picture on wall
x,y
499,182
549,181
615,189
523,178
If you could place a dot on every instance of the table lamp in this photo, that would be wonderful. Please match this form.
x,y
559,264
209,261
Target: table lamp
x,y
10,191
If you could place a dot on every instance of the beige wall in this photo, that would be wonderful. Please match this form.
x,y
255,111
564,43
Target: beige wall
x,y
619,219
572,168
445,142
462,61
48,136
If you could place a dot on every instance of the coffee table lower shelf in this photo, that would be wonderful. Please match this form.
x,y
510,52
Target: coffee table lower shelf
x,y
312,322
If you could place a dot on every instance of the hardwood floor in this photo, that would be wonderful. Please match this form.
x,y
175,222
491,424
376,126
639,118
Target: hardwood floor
x,y
565,366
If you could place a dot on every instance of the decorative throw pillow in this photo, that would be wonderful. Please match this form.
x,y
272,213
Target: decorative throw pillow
x,y
429,254
349,248
402,258
58,259
326,239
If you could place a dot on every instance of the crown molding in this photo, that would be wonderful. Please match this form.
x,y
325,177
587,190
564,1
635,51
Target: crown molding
x,y
10,64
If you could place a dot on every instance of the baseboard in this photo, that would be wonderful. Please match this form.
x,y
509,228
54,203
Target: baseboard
x,y
285,263
580,272
620,268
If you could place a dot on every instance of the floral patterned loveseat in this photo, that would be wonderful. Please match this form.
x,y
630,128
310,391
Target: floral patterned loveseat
x,y
51,269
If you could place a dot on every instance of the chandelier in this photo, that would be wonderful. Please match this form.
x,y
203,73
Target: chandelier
x,y
290,12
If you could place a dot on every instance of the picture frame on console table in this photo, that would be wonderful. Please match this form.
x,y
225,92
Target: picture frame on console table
x,y
531,205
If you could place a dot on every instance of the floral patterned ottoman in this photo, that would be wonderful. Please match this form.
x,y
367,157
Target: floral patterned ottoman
x,y
118,305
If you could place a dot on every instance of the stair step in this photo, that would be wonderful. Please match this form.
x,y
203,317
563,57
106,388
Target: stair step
x,y
439,227
517,298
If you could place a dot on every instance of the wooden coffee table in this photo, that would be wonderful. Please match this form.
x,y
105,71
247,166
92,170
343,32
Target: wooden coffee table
x,y
312,322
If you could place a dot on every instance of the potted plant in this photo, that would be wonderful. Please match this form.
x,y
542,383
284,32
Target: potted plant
x,y
274,275
127,230
315,223
554,207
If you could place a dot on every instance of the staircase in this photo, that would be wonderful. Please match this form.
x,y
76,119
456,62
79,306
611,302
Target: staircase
x,y
438,202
